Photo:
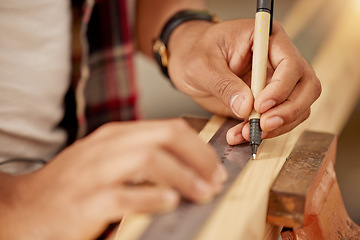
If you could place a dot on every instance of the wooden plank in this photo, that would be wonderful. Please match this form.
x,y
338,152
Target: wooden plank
x,y
211,128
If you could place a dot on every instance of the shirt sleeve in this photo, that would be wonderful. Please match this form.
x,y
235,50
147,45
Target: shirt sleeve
x,y
131,6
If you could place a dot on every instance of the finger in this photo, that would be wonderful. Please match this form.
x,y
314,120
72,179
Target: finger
x,y
180,140
231,90
289,69
215,106
146,199
112,204
185,145
221,82
173,135
305,93
234,135
246,132
288,127
282,83
154,164
278,131
165,169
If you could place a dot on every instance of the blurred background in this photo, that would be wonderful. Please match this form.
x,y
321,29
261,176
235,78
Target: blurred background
x,y
160,100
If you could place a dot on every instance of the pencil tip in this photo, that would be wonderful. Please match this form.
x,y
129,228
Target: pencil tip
x,y
254,156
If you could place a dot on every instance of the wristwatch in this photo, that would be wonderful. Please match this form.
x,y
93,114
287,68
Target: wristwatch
x,y
160,44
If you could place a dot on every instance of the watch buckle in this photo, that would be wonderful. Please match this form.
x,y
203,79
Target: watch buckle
x,y
160,48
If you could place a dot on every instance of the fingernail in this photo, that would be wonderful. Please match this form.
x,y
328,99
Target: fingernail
x,y
171,199
236,104
273,123
267,105
205,192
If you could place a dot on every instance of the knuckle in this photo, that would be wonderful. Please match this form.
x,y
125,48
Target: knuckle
x,y
124,201
307,114
146,157
317,87
299,66
178,124
294,113
105,129
170,130
223,87
189,183
278,27
277,24
316,84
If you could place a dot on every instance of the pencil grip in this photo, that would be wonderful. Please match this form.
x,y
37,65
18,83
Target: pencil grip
x,y
255,132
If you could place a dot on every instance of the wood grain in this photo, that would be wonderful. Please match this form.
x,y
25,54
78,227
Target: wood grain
x,y
294,188
315,203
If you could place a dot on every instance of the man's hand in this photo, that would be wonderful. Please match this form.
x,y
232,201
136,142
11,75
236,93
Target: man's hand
x,y
212,63
93,182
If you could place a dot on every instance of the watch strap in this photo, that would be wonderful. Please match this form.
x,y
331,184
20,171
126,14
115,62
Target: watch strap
x,y
160,45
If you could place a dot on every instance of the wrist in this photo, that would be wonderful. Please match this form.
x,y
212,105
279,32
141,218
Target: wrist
x,y
186,34
160,45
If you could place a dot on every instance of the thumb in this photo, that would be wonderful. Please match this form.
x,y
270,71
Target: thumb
x,y
232,91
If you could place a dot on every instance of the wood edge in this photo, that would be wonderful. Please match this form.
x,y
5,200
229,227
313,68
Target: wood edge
x,y
211,127
323,181
132,227
289,209
286,216
203,233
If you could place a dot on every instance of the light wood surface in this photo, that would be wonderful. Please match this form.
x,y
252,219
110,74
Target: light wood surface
x,y
242,213
300,15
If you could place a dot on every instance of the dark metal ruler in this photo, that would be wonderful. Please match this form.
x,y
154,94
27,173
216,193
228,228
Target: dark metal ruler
x,y
185,222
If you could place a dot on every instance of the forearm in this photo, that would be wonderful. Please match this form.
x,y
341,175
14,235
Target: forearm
x,y
8,199
152,16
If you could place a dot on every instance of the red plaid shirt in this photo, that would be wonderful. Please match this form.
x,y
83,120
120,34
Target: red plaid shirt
x,y
104,76
103,87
